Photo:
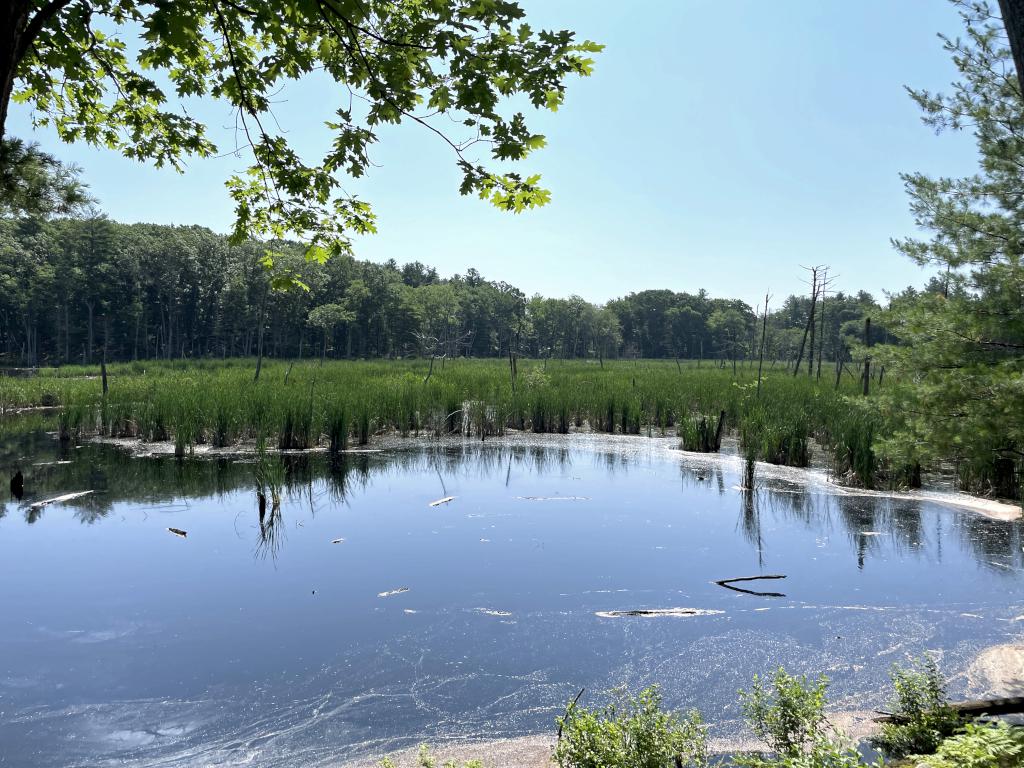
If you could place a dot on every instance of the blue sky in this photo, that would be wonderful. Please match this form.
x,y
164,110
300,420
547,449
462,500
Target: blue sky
x,y
719,145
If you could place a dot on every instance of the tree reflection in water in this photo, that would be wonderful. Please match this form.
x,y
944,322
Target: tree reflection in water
x,y
870,522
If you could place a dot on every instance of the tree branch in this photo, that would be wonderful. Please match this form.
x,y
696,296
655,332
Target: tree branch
x,y
36,24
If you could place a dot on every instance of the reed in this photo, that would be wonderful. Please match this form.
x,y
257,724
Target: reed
x,y
217,402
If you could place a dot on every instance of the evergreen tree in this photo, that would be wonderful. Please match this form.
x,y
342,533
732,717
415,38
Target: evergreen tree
x,y
962,357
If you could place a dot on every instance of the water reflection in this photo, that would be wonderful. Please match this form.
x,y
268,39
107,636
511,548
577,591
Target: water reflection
x,y
271,527
507,588
872,524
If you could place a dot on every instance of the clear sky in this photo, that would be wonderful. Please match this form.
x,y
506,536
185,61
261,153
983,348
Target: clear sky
x,y
720,144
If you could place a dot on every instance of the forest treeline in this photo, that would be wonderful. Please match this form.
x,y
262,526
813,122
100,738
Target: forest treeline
x,y
73,290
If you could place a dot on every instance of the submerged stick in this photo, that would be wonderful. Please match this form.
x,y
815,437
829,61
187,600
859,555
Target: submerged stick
x,y
1010,706
728,584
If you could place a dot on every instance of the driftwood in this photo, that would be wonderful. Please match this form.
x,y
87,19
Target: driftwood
x,y
658,612
728,584
58,499
976,708
179,532
439,502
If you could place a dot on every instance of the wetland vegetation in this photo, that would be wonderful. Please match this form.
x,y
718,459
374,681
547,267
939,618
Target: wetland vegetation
x,y
298,406
275,505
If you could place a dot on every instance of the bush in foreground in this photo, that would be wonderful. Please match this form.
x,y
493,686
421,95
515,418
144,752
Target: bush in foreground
x,y
631,732
924,718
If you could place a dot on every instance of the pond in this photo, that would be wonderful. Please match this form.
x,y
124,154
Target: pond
x,y
359,618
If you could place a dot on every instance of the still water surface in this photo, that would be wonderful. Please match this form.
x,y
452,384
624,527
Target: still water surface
x,y
269,645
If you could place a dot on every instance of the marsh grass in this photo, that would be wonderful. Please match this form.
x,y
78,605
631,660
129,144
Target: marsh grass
x,y
216,402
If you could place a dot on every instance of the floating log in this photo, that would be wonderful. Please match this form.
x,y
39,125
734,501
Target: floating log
x,y
58,499
975,708
728,584
439,502
179,532
492,612
658,612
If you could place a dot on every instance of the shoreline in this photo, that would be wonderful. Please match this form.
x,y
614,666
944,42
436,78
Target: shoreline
x,y
997,671
536,751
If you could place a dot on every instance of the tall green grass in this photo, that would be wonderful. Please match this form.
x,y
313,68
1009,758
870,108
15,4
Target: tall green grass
x,y
218,403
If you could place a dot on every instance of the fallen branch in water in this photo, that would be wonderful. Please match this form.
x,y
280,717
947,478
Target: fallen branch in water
x,y
728,584
179,532
1011,706
59,499
439,502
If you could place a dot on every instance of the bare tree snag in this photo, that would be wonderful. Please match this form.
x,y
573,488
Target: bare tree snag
x,y
867,357
764,335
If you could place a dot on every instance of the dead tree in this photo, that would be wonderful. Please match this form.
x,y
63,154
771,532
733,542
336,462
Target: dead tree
x,y
764,335
867,356
809,327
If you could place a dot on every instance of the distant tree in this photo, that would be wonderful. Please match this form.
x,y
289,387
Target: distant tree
x,y
437,64
729,328
684,326
327,317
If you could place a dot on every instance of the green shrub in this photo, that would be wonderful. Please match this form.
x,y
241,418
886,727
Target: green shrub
x,y
979,746
631,732
828,752
789,714
924,716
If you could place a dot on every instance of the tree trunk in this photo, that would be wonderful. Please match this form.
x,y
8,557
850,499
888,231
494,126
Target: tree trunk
x,y
867,358
813,325
88,306
764,335
803,341
821,336
1013,20
259,338
14,19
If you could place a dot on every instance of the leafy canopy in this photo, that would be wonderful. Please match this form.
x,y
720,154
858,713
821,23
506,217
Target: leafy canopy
x,y
447,63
